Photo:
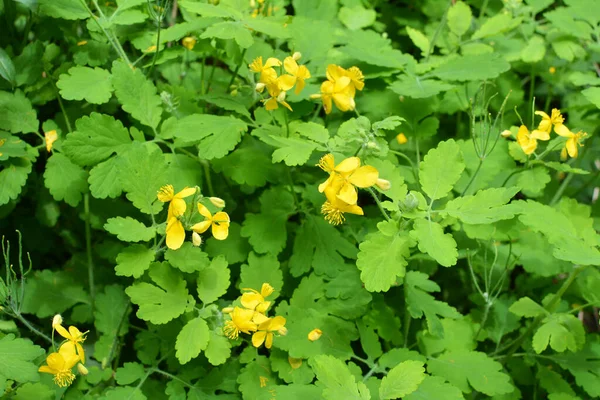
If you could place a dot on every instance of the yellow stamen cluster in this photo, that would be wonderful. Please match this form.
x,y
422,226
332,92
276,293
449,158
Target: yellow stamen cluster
x,y
528,140
278,85
177,207
340,88
251,317
70,353
340,188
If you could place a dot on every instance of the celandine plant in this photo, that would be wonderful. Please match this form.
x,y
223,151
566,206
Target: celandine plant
x,y
299,199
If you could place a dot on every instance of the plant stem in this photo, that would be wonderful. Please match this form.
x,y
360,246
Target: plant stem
x,y
116,338
236,69
158,23
88,248
473,177
60,103
207,176
32,328
287,125
437,31
561,189
171,376
385,214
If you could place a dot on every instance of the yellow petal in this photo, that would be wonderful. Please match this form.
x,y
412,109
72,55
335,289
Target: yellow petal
x,y
364,177
55,362
277,323
166,193
563,154
220,226
251,299
47,369
50,137
303,72
563,131
272,62
348,166
343,102
571,147
263,307
201,227
186,192
290,65
324,185
348,194
269,341
299,86
542,114
540,135
352,209
315,334
258,338
327,105
204,212
175,234
177,207
63,332
257,64
271,104
268,76
286,105
357,77
266,290
334,72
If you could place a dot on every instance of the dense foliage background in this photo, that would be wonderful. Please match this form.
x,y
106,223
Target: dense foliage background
x,y
472,272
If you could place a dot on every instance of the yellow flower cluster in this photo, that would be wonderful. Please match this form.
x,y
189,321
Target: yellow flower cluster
x,y
528,140
340,87
70,353
251,317
277,86
177,207
340,187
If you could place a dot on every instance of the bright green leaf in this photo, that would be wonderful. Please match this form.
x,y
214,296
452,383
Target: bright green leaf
x,y
440,169
192,339
129,229
16,113
213,281
65,180
17,358
188,258
433,241
459,18
484,207
134,260
474,67
525,307
402,380
84,83
337,380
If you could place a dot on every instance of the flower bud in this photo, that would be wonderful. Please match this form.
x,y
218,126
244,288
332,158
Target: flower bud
x,y
57,320
283,331
297,55
82,369
315,334
506,133
188,42
260,87
217,202
227,310
295,363
196,239
401,138
281,97
383,184
410,202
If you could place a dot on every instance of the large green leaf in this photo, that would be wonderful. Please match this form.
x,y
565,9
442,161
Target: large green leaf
x,y
16,113
13,177
474,67
65,9
402,380
129,229
213,280
192,339
65,180
17,358
440,169
485,207
83,83
337,380
433,241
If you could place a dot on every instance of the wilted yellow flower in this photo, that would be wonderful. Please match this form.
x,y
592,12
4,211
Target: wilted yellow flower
x,y
50,137
188,42
241,321
266,70
60,364
175,231
315,334
254,300
528,141
401,138
351,175
74,339
555,119
572,144
219,222
265,331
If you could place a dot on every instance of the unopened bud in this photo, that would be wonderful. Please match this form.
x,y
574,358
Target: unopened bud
x,y
297,55
410,202
281,97
506,133
57,320
315,334
401,138
217,202
383,184
372,145
196,239
234,92
82,369
260,87
283,331
227,310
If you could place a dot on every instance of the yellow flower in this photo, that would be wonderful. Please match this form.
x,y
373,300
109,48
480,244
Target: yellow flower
x,y
265,331
277,90
254,300
335,208
50,137
241,321
528,141
188,42
572,144
315,334
175,231
552,70
297,74
335,72
340,87
401,138
219,223
548,121
74,339
60,365
266,70
351,175
82,43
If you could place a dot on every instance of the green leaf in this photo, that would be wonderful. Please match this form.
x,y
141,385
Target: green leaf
x,y
464,368
160,304
533,181
495,25
96,138
7,68
534,51
316,9
474,67
485,207
261,270
64,9
419,39
124,392
235,249
136,94
420,302
213,281
593,95
108,313
65,180
192,339
337,380
209,10
402,380
16,113
370,47
11,146
418,88
249,164
435,388
229,30
274,27
104,179
129,373
13,177
218,349
50,293
525,307
16,359
292,151
440,169
459,18
134,260
35,391
561,331
129,229
188,258
83,83
433,241
357,17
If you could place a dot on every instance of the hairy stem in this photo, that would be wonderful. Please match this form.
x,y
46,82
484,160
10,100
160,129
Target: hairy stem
x,y
383,212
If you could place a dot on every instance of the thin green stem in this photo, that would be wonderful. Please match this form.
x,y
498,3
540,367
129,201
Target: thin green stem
x,y
287,125
473,177
32,328
383,212
206,168
175,378
317,112
291,185
483,8
486,313
561,189
113,346
60,102
158,30
437,31
210,78
88,248
237,69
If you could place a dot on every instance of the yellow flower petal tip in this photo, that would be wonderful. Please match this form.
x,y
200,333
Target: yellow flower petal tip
x,y
188,42
315,334
50,137
401,138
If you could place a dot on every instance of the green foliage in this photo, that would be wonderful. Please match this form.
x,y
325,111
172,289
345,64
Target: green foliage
x,y
337,380
402,380
17,359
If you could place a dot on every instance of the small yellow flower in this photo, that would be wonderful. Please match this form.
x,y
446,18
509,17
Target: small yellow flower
x,y
528,141
401,138
254,300
263,381
50,137
188,42
60,364
175,231
295,363
241,321
340,87
552,70
572,144
82,43
74,339
315,334
265,331
297,74
335,208
276,90
266,70
219,222
351,175
555,119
